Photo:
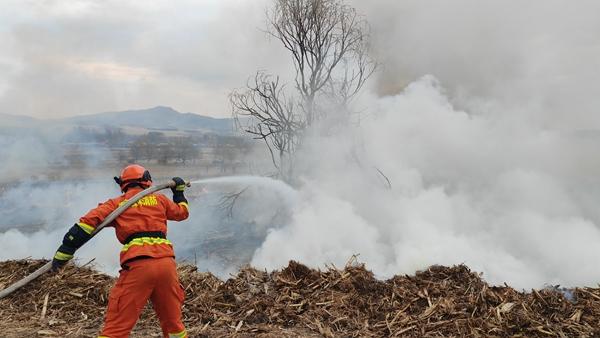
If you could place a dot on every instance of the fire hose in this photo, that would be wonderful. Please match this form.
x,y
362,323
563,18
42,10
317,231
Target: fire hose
x,y
111,217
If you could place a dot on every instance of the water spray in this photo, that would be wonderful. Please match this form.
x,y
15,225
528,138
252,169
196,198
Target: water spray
x,y
287,192
111,217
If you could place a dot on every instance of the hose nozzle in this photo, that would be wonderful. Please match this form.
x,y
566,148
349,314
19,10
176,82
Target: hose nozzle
x,y
172,184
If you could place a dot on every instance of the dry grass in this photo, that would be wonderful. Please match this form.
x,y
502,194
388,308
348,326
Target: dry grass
x,y
298,301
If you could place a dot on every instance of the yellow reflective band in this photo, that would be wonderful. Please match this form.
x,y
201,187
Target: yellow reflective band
x,y
184,204
180,187
86,227
181,334
146,241
61,256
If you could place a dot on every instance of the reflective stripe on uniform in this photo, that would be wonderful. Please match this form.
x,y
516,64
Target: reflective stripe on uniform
x,y
185,205
61,256
181,334
86,227
145,241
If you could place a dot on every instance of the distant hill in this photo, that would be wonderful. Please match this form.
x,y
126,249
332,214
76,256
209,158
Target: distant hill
x,y
158,118
7,120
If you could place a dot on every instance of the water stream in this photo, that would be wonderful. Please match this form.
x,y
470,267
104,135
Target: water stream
x,y
288,193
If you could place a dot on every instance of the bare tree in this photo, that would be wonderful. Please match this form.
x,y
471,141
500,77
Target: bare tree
x,y
151,146
328,42
227,202
164,153
226,152
136,150
263,111
185,149
113,137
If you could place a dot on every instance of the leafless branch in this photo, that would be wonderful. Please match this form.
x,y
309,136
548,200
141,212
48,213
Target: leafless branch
x,y
389,183
264,111
227,202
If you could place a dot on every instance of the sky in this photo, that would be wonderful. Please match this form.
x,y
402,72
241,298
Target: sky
x,y
537,60
78,57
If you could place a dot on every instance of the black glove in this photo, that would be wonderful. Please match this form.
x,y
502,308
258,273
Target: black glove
x,y
179,185
178,190
60,260
73,240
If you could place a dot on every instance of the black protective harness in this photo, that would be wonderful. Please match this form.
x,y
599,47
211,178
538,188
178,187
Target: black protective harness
x,y
153,234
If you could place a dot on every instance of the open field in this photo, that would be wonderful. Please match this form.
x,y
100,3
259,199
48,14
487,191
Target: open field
x,y
302,302
159,172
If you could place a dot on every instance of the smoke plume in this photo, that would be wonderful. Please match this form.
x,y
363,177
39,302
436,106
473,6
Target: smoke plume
x,y
491,159
511,201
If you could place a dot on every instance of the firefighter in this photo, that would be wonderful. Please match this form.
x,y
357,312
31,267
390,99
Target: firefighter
x,y
147,258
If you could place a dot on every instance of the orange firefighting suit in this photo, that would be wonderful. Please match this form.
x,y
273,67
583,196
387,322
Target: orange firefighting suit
x,y
147,260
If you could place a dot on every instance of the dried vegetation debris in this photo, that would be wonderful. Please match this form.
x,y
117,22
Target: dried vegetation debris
x,y
299,301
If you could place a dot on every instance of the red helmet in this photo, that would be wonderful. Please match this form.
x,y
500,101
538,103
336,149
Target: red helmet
x,y
134,174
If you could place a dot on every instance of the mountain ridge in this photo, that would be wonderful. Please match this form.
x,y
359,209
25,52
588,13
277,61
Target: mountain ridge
x,y
158,118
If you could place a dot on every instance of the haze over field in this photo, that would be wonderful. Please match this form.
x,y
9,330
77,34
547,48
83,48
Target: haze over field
x,y
482,116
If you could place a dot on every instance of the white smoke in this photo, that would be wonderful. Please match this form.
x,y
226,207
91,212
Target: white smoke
x,y
495,168
538,59
506,199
